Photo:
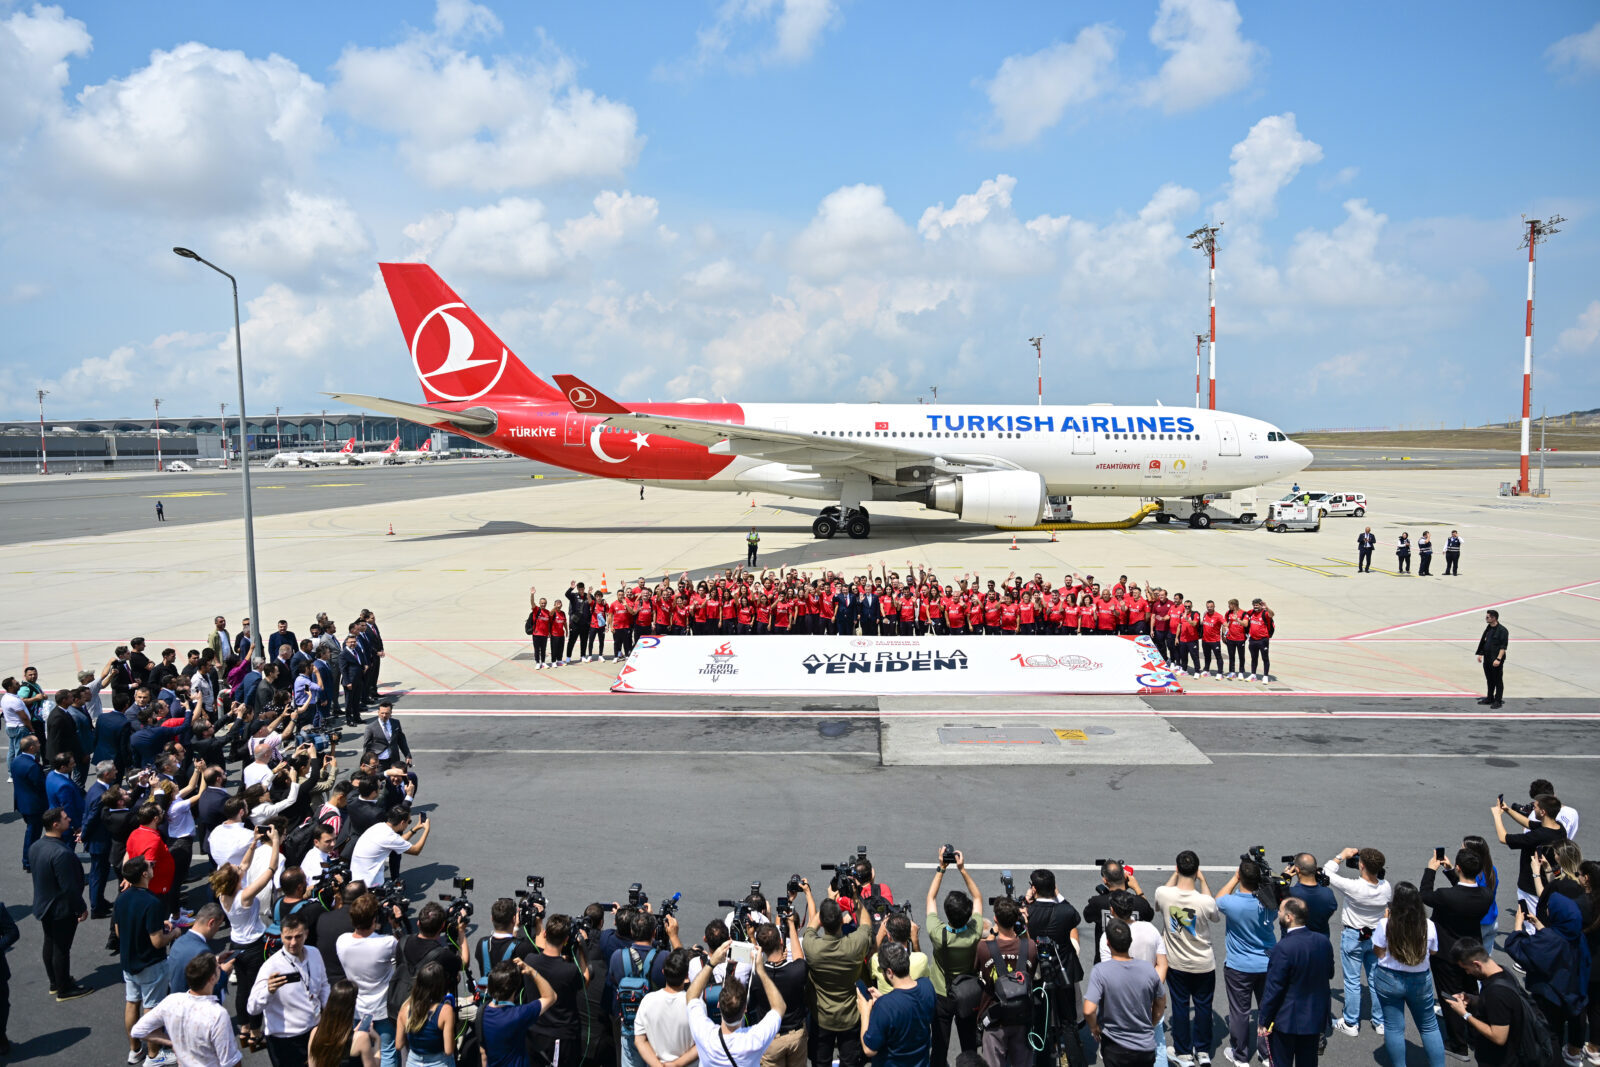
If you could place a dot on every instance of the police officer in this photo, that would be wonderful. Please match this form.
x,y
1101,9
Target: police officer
x,y
1424,554
1366,541
1402,554
751,540
1452,554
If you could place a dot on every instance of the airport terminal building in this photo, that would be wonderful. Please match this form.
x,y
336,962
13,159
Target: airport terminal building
x,y
88,445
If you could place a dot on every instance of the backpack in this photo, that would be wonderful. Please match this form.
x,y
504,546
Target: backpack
x,y
1534,1044
297,842
1013,989
405,973
713,995
527,627
632,988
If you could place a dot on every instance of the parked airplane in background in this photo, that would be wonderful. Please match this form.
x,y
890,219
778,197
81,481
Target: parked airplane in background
x,y
992,464
419,455
388,454
314,459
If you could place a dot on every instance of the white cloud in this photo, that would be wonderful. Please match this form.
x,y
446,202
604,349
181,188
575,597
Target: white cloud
x,y
987,235
1576,54
970,208
305,234
854,230
1030,93
719,277
739,37
1269,157
1209,59
34,47
1342,267
615,215
510,123
508,239
1583,335
196,130
1132,260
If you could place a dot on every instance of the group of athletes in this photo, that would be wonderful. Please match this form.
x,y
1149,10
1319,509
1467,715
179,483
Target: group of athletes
x,y
573,627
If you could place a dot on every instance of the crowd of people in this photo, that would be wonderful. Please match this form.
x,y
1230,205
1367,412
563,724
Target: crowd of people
x,y
204,813
573,627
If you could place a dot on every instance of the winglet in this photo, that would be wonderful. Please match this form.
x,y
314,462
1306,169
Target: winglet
x,y
586,398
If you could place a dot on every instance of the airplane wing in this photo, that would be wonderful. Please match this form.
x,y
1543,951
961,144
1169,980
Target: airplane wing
x,y
896,462
478,420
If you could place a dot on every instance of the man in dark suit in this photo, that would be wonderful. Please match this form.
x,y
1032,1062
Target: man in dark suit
x,y
1492,654
374,640
352,678
28,793
113,736
869,612
1366,541
280,637
61,731
97,839
844,612
385,738
1296,1001
328,674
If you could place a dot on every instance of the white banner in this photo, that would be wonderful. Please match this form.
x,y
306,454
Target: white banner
x,y
784,664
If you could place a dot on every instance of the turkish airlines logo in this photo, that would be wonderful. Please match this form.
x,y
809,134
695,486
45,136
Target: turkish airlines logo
x,y
581,398
446,365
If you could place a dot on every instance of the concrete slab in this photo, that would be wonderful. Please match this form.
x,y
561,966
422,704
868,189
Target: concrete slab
x,y
450,587
1028,740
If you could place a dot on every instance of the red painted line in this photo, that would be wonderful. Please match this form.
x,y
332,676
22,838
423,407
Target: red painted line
x,y
524,666
1471,611
1585,596
409,667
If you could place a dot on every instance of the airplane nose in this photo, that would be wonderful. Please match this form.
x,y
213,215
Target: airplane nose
x,y
1302,456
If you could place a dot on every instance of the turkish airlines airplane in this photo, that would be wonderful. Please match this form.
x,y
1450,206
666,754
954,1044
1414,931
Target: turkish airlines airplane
x,y
420,455
388,454
315,459
991,464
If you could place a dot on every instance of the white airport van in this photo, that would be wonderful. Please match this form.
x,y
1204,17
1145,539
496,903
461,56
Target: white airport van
x,y
1345,504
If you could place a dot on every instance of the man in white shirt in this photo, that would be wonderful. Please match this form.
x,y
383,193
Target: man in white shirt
x,y
661,1025
1186,909
95,684
370,861
259,770
1567,816
290,990
230,838
368,961
716,1043
319,855
194,1023
15,713
1366,900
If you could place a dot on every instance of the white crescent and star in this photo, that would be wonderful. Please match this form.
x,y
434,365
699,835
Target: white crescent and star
x,y
640,441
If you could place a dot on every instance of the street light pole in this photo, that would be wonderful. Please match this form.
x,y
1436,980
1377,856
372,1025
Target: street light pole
x,y
244,459
44,450
222,428
158,435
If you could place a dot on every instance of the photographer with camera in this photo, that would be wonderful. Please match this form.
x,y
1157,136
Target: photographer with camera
x,y
785,965
437,940
954,945
1115,877
730,1043
505,940
635,970
1250,935
1052,923
899,927
565,969
1366,900
394,836
1187,911
334,923
1147,944
1309,885
1543,829
1008,962
1458,911
833,963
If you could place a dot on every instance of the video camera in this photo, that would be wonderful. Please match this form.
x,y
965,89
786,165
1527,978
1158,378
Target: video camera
x,y
844,881
948,857
530,902
1010,886
739,929
669,907
637,898
459,907
1274,886
335,873
392,896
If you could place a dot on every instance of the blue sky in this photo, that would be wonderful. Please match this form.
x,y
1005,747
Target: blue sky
x,y
807,199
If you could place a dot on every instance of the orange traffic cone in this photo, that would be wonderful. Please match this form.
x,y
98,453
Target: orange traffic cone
x,y
1052,537
391,530
1013,542
752,501
603,588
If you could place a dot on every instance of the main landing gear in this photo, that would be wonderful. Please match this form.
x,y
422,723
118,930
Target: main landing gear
x,y
855,522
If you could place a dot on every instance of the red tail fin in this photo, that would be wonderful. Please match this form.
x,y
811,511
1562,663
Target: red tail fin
x,y
394,446
349,446
427,446
455,355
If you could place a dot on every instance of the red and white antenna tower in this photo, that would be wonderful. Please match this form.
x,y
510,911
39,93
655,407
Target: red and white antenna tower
x,y
1538,230
1199,345
1205,239
1038,350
